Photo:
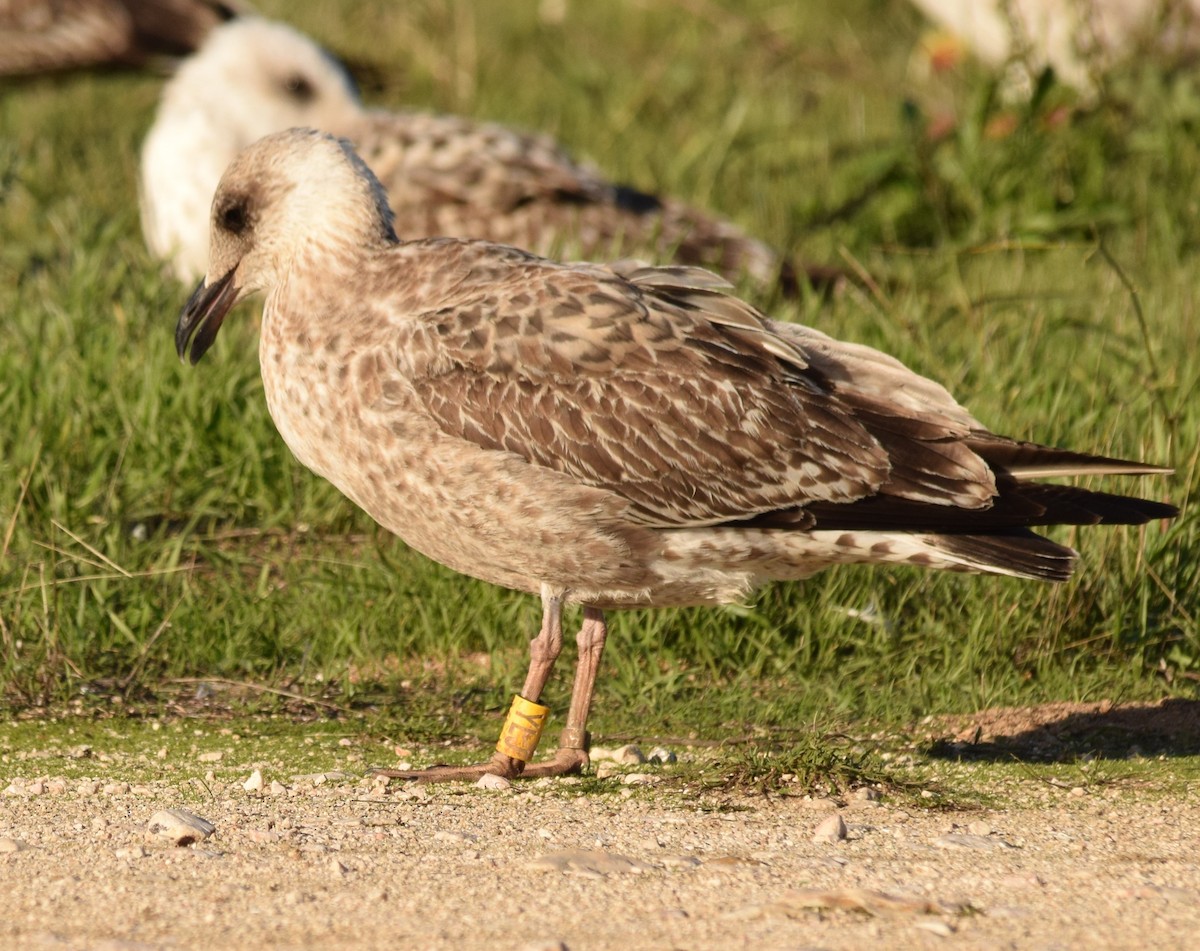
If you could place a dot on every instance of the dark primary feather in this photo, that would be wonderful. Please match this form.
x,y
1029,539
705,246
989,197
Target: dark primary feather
x,y
1017,506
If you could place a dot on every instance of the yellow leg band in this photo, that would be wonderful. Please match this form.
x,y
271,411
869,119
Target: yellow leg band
x,y
522,729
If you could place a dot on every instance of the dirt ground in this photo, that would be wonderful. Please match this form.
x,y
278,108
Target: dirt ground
x,y
337,861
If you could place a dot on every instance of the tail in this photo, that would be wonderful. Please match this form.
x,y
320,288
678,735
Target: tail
x,y
996,539
1020,554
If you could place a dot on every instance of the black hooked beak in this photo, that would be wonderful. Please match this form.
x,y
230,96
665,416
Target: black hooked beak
x,y
202,315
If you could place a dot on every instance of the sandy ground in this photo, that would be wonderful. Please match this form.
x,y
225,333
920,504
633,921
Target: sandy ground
x,y
333,861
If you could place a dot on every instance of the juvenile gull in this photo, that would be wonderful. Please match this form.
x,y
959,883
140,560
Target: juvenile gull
x,y
38,36
445,175
615,437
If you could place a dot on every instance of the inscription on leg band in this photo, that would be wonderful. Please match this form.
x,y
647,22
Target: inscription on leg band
x,y
522,729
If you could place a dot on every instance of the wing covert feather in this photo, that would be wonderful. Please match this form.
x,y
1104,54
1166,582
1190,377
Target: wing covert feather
x,y
694,417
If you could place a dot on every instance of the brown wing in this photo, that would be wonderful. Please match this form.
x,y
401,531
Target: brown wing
x,y
48,35
43,35
695,415
425,160
447,175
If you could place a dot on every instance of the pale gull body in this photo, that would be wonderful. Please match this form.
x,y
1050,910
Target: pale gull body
x,y
38,36
445,175
1078,38
613,437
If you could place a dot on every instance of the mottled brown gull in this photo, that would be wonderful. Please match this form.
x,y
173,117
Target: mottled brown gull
x,y
445,175
38,36
610,437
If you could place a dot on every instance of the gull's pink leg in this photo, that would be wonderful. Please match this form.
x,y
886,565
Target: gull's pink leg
x,y
543,652
571,755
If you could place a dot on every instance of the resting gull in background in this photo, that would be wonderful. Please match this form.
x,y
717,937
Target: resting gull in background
x,y
1079,38
615,437
39,36
445,175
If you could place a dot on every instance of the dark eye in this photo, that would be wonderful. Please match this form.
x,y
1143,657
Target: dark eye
x,y
299,88
233,217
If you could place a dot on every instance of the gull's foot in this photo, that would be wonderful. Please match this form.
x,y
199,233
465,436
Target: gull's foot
x,y
564,763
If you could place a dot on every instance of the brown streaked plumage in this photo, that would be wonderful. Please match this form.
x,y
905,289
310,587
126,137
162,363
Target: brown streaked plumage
x,y
38,36
610,436
445,175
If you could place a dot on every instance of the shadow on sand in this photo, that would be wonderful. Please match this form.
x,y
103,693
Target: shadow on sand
x,y
1063,732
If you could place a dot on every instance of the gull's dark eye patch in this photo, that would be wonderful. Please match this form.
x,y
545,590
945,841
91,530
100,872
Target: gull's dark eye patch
x,y
234,214
299,88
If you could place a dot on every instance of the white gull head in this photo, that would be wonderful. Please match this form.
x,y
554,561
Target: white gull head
x,y
252,77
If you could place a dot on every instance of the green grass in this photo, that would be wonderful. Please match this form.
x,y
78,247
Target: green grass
x,y
154,528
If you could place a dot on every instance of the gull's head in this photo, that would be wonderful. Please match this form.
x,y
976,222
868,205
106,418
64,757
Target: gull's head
x,y
254,76
293,200
250,78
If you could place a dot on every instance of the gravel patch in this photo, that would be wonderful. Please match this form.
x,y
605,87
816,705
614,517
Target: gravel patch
x,y
337,862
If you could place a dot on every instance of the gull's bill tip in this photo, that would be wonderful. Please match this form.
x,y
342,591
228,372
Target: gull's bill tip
x,y
202,316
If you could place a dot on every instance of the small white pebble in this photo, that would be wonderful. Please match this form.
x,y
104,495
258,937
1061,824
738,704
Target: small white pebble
x,y
831,829
262,836
115,789
180,826
254,783
277,788
662,756
492,781
447,835
638,779
214,757
131,852
628,755
8,844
